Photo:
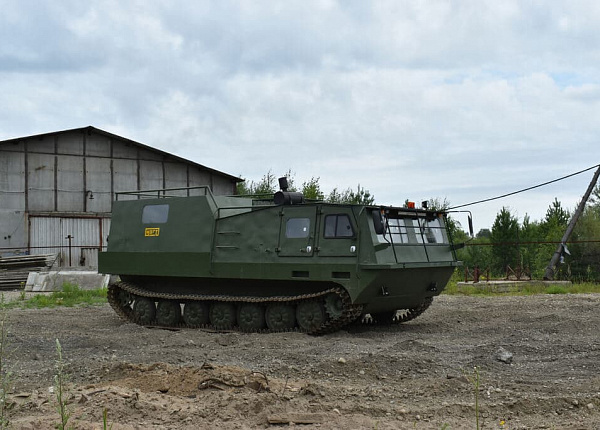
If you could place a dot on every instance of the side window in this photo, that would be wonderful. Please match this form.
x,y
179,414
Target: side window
x,y
297,228
155,214
338,226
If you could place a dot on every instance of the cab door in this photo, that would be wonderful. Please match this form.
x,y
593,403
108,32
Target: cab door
x,y
338,235
297,231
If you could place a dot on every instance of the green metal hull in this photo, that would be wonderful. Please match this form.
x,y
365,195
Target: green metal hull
x,y
223,248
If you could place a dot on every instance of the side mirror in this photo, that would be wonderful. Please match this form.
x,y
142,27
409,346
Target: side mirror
x,y
470,225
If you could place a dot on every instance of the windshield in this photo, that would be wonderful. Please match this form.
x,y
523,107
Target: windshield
x,y
429,231
413,230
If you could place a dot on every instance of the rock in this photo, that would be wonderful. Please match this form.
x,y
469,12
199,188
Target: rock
x,y
342,360
503,355
590,406
461,378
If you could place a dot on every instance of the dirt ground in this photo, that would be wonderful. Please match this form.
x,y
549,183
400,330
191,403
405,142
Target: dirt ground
x,y
538,360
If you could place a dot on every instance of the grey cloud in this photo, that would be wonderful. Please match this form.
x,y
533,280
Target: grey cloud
x,y
430,99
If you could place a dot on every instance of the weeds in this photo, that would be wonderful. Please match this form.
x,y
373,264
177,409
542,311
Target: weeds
x,y
105,420
474,380
61,390
5,373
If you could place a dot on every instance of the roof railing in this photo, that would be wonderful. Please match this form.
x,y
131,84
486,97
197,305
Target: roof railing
x,y
162,193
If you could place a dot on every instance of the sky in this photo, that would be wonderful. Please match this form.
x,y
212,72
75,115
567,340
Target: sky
x,y
449,100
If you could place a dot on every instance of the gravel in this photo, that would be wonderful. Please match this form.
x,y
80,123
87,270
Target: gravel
x,y
421,374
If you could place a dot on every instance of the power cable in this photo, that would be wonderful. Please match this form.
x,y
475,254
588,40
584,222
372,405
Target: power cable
x,y
535,242
524,189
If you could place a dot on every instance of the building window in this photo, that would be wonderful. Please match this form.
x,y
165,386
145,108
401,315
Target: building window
x,y
297,228
338,226
155,214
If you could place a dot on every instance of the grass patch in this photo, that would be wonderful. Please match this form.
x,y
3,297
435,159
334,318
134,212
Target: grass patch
x,y
71,295
556,289
519,289
452,289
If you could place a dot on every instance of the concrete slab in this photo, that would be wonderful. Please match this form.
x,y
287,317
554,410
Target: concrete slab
x,y
54,281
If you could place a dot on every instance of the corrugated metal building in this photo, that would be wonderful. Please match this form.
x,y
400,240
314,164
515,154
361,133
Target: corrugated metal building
x,y
57,189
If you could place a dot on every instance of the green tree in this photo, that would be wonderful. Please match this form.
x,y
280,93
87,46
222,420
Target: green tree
x,y
551,230
291,180
266,185
312,189
484,232
242,188
335,196
594,199
505,231
555,214
477,253
454,226
360,197
585,260
528,235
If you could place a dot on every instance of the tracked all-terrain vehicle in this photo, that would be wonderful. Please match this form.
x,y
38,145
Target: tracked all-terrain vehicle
x,y
187,258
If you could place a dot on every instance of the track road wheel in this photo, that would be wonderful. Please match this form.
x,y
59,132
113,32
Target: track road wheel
x,y
251,317
222,315
384,318
280,317
195,313
144,310
334,306
168,313
310,315
124,298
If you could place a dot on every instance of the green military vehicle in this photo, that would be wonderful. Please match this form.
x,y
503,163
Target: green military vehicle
x,y
188,258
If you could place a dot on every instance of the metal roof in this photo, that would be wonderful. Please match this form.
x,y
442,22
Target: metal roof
x,y
89,129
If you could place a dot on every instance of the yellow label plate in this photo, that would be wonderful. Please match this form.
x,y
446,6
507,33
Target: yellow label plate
x,y
152,232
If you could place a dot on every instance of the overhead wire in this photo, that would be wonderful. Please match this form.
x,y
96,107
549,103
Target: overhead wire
x,y
524,189
530,242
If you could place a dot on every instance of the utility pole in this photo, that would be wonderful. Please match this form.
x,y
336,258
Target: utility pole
x,y
549,274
